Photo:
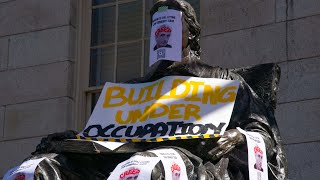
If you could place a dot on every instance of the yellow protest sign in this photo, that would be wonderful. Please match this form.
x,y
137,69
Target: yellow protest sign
x,y
173,107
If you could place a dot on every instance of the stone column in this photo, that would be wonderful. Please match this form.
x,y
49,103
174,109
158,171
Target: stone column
x,y
37,57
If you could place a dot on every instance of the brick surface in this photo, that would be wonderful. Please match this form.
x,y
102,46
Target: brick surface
x,y
281,10
36,83
303,38
303,8
29,15
299,121
74,12
304,161
3,53
246,47
72,44
227,15
2,112
41,47
283,86
12,153
37,118
299,80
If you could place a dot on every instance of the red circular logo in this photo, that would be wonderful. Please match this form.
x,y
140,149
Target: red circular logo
x,y
20,176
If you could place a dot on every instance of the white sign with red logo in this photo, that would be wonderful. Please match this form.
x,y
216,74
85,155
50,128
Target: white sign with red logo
x,y
257,156
173,164
23,172
135,168
166,36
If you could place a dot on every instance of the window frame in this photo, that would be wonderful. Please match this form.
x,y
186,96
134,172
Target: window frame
x,y
83,93
82,64
116,42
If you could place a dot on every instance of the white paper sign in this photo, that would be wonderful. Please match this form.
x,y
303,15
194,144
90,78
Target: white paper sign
x,y
173,107
166,36
257,156
173,164
110,145
23,172
135,168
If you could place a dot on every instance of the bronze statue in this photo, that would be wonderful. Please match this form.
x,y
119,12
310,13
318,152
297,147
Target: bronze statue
x,y
251,112
225,158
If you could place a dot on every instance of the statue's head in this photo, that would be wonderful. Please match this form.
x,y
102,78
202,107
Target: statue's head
x,y
190,25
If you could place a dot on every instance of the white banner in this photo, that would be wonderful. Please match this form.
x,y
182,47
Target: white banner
x,y
110,145
257,156
173,107
166,36
23,172
173,164
135,168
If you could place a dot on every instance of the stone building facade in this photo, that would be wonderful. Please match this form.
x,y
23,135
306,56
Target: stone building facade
x,y
45,52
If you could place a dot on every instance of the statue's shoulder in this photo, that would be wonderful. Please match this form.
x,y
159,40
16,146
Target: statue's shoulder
x,y
263,79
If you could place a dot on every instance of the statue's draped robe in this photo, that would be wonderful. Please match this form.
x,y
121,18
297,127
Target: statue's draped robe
x,y
251,113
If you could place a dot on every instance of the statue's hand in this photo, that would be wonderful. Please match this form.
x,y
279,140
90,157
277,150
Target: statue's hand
x,y
226,143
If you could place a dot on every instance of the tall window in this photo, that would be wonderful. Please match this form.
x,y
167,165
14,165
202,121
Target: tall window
x,y
119,48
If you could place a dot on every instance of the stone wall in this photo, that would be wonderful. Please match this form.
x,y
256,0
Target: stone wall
x,y
249,32
37,62
37,41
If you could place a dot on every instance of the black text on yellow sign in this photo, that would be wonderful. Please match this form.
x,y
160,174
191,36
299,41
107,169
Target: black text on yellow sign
x,y
152,131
